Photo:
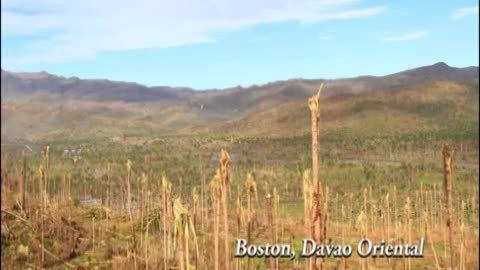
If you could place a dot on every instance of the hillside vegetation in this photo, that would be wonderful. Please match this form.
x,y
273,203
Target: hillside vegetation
x,y
425,107
38,106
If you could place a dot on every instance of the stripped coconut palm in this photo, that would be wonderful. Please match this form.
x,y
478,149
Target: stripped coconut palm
x,y
225,175
316,223
166,187
251,188
447,154
129,206
216,193
224,164
239,214
307,204
184,233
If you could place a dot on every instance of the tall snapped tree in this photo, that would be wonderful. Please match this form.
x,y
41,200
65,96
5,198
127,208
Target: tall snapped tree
x,y
24,179
109,186
225,176
165,191
239,215
268,206
216,193
41,192
316,223
307,205
251,188
447,182
129,206
184,233
46,162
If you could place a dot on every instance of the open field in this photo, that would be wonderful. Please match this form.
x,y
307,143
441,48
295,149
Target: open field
x,y
97,233
72,222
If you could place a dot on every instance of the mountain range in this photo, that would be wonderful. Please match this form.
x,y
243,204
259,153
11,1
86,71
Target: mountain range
x,y
38,106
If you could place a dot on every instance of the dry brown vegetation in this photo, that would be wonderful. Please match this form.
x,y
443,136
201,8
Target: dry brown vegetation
x,y
147,221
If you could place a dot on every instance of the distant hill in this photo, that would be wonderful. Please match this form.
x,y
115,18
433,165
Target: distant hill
x,y
431,106
41,105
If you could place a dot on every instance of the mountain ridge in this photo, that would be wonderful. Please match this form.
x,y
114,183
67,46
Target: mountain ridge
x,y
417,71
36,105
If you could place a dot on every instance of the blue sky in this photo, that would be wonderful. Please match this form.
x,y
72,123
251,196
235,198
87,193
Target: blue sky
x,y
223,43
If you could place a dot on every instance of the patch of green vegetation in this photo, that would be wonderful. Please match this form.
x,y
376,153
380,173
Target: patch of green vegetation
x,y
84,260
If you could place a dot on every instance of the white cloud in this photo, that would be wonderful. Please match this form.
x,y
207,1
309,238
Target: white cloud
x,y
464,12
81,28
407,36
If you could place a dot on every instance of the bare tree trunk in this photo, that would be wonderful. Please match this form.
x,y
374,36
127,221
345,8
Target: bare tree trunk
x,y
249,223
129,206
47,166
146,244
409,228
307,208
238,212
365,233
325,214
216,232
316,224
343,236
251,190
109,186
462,237
195,203
93,234
164,221
4,175
24,182
224,163
447,178
142,204
203,209
270,224
225,222
42,212
181,256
